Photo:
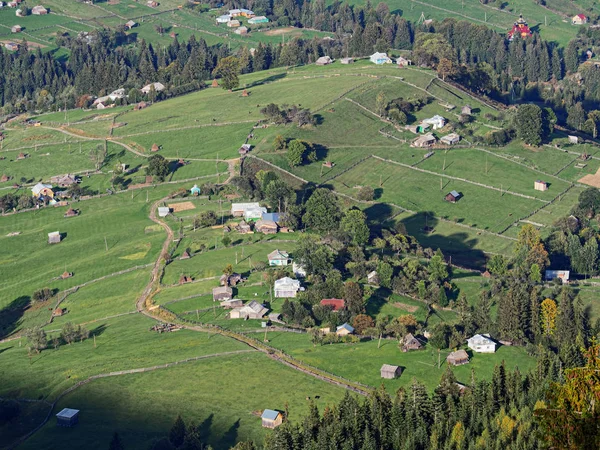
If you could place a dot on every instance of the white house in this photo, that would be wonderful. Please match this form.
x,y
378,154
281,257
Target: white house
x,y
481,343
278,258
163,211
286,287
254,213
563,275
436,122
158,87
224,18
239,209
380,58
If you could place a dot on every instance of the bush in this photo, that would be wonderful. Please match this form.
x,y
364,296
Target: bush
x,y
366,193
42,295
9,409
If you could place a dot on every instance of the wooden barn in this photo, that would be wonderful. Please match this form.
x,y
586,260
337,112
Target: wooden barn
x,y
458,358
271,419
222,293
390,372
452,197
54,237
409,342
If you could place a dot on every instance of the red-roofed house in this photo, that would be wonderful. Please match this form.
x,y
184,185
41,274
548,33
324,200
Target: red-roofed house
x,y
579,19
520,28
337,303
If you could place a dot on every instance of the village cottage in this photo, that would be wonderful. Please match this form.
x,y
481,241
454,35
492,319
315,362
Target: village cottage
x,y
579,19
344,330
458,358
252,310
222,293
409,342
286,288
265,226
452,197
271,419
380,58
323,61
481,343
427,140
278,258
450,139
41,190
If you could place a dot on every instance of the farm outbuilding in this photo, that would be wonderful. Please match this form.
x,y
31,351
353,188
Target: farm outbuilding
x,y
130,24
233,23
347,60
563,275
222,293
540,185
54,237
258,19
163,211
452,197
224,18
380,58
450,139
185,255
481,343
39,10
230,304
458,358
409,342
4,178
573,140
373,277
390,372
271,419
241,30
252,310
183,279
265,226
158,87
427,140
16,29
42,190
239,209
195,190
403,62
466,110
67,417
436,122
71,213
579,19
243,227
323,61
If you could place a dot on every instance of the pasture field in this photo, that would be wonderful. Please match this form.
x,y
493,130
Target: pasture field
x,y
361,362
479,208
198,391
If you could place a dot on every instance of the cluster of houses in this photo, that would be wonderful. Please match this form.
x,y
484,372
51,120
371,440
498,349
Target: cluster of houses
x,y
233,19
257,217
118,94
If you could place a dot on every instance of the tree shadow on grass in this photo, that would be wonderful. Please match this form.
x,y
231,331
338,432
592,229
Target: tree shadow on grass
x,y
204,428
230,436
272,78
10,316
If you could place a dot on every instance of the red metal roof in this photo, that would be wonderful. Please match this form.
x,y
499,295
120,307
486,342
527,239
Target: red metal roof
x,y
335,302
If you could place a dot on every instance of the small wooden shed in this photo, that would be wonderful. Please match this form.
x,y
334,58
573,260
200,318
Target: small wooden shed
x,y
155,148
67,417
71,212
54,237
215,83
271,419
409,342
222,293
390,372
183,279
452,197
540,185
458,358
185,255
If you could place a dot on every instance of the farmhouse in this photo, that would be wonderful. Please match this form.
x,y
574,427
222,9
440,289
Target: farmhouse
x,y
481,343
563,275
427,140
373,277
67,417
344,330
390,372
579,19
337,303
230,280
466,110
16,29
278,258
252,310
241,30
458,358
130,24
222,293
380,58
158,87
254,213
39,10
286,287
271,419
257,20
265,226
520,28
403,62
163,211
41,190
246,13
11,46
323,61
540,185
224,18
450,139
238,209
299,270
436,122
452,197
54,237
347,60
233,23
409,342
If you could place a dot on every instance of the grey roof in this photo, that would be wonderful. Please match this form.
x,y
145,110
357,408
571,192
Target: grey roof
x,y
277,254
454,194
347,327
481,339
389,368
222,290
460,354
68,413
270,414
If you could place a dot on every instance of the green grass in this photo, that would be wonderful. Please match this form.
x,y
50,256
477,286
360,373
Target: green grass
x,y
361,362
202,392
